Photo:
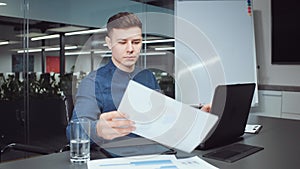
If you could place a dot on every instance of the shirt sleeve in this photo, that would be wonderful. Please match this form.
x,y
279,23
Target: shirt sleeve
x,y
86,106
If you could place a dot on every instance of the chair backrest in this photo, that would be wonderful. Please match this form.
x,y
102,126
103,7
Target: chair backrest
x,y
69,107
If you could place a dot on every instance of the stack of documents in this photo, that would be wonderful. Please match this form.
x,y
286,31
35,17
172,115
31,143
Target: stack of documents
x,y
150,162
165,120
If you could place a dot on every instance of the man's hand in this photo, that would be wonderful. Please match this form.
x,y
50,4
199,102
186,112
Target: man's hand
x,y
114,124
206,108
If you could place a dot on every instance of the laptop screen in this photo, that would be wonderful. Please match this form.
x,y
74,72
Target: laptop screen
x,y
232,104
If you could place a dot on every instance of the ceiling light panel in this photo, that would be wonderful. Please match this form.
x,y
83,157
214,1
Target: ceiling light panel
x,y
159,41
86,32
45,37
4,43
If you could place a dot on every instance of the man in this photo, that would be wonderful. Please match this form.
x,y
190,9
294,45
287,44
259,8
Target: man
x,y
99,94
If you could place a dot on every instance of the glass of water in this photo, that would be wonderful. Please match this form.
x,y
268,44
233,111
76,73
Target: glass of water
x,y
79,141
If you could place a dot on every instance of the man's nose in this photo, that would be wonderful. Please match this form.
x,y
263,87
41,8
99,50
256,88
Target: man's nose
x,y
129,47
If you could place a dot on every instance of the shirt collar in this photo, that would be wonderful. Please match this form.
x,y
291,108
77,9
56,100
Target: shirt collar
x,y
131,74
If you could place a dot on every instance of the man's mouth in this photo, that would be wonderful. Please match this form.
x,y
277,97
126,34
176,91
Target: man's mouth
x,y
129,57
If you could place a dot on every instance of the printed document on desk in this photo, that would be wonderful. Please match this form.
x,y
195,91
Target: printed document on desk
x,y
165,120
150,162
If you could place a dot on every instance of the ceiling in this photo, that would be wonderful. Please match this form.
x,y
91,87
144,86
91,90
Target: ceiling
x,y
169,4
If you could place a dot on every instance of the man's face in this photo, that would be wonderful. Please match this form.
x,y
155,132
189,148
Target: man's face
x,y
125,45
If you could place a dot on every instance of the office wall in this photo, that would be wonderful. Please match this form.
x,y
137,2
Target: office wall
x,y
267,73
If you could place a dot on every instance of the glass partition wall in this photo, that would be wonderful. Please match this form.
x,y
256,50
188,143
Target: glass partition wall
x,y
47,47
13,68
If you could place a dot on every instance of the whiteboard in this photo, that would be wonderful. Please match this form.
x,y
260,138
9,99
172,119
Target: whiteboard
x,y
214,45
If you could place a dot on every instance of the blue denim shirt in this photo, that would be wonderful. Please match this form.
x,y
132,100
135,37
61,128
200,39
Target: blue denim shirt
x,y
102,90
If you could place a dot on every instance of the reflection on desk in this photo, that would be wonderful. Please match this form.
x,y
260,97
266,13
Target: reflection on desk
x,y
279,137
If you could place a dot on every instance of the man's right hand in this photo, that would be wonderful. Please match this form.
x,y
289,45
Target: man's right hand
x,y
114,124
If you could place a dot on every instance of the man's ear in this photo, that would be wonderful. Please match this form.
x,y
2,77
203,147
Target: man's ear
x,y
108,42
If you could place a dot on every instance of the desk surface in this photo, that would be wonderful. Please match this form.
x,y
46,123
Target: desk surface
x,y
279,137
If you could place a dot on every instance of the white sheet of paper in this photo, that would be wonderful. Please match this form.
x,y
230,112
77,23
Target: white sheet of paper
x,y
193,163
252,128
135,162
165,120
150,162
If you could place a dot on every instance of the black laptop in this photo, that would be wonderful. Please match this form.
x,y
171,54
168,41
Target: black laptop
x,y
232,104
134,146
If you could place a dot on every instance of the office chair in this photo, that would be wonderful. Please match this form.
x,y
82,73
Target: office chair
x,y
41,150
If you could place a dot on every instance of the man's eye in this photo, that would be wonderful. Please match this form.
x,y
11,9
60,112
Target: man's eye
x,y
136,42
122,42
